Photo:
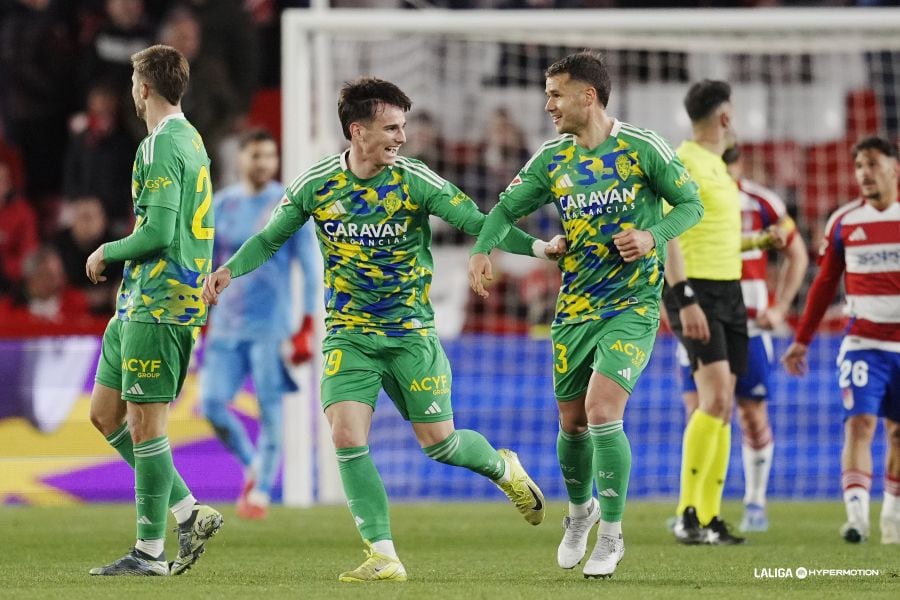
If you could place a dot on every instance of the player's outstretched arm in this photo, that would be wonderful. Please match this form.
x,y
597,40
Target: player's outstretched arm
x,y
285,221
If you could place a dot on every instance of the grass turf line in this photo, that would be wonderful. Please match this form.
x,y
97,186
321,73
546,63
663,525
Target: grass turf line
x,y
451,550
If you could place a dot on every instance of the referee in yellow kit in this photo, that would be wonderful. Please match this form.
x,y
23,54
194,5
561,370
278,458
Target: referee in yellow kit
x,y
706,311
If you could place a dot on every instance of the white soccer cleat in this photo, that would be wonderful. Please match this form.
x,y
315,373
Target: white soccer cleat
x,y
606,556
855,532
890,530
574,543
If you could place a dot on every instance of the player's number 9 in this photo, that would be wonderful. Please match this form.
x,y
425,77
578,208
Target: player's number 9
x,y
203,186
562,363
333,362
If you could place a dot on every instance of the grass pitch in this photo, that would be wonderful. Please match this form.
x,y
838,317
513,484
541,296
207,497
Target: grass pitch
x,y
454,550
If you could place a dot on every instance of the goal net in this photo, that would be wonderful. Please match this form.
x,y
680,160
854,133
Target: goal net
x,y
807,84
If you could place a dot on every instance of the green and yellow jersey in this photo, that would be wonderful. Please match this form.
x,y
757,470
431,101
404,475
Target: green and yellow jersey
x,y
375,239
171,171
599,192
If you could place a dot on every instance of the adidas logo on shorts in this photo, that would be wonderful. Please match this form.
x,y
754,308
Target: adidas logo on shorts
x,y
136,390
434,409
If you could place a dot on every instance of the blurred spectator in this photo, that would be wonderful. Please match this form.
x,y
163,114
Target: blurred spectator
x,y
124,30
505,151
99,157
36,54
44,298
10,155
230,38
212,102
87,231
18,230
424,142
266,16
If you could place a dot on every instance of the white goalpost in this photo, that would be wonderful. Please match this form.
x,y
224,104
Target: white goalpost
x,y
807,83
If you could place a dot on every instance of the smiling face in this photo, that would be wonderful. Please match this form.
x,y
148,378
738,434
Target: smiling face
x,y
876,174
378,140
568,103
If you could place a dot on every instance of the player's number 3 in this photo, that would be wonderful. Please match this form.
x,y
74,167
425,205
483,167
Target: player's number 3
x,y
562,363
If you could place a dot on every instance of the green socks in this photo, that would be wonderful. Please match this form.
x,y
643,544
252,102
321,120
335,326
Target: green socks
x,y
121,441
365,493
154,473
469,449
576,453
612,468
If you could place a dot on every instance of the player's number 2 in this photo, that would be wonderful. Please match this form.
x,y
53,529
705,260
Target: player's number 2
x,y
203,187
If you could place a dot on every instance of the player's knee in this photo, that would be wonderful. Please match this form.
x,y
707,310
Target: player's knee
x,y
893,438
754,417
343,437
105,423
719,405
861,428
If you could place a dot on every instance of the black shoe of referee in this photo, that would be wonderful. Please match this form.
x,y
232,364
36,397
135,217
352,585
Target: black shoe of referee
x,y
717,534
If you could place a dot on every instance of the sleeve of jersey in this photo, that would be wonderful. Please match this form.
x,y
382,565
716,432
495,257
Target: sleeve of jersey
x,y
286,219
821,292
523,196
673,182
162,176
454,206
156,231
305,249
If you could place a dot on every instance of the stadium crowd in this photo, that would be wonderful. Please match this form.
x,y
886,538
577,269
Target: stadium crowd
x,y
68,133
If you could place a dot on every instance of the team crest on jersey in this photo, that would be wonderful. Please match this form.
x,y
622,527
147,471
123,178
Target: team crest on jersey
x,y
623,166
392,203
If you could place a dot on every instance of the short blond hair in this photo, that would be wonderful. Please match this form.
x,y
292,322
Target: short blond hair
x,y
164,69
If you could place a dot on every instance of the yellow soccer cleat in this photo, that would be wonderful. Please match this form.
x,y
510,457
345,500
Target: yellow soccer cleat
x,y
521,489
376,567
193,534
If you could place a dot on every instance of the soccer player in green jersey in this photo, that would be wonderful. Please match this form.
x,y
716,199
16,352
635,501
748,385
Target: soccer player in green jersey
x,y
607,180
371,211
147,344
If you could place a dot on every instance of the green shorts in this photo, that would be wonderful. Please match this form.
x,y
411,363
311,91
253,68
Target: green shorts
x,y
147,361
413,370
618,348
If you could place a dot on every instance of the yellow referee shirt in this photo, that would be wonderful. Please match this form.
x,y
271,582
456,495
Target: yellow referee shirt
x,y
712,247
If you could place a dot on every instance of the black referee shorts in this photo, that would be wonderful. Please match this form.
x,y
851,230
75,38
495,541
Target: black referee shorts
x,y
723,304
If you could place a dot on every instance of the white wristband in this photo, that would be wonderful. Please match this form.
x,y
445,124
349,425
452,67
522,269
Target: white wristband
x,y
539,248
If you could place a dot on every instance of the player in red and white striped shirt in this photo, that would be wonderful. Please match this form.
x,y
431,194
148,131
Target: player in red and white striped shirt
x,y
862,240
